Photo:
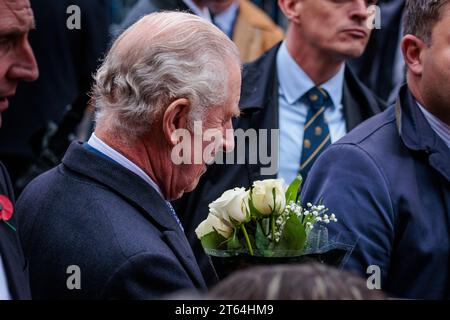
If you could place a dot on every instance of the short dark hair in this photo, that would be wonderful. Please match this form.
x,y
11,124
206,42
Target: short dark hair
x,y
310,281
421,16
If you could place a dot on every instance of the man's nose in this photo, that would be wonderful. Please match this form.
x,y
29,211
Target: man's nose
x,y
24,67
359,10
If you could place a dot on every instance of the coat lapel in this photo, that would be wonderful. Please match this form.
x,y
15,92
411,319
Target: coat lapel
x,y
138,193
14,262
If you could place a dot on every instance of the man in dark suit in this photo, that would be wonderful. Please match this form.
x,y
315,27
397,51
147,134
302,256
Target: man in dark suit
x,y
277,94
99,225
388,181
17,63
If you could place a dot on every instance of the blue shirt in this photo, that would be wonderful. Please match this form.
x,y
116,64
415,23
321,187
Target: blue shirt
x,y
226,19
201,12
293,84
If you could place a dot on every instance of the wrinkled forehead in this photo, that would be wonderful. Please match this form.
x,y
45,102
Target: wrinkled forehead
x,y
16,16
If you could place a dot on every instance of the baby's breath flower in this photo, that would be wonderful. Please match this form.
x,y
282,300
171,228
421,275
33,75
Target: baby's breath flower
x,y
309,205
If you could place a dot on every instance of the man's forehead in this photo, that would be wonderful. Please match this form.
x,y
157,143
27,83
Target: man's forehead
x,y
16,14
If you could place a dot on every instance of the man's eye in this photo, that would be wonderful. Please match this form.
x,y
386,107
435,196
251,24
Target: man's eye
x,y
5,44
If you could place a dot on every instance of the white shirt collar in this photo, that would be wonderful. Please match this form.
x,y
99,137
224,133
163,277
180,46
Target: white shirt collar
x,y
4,291
294,82
204,13
96,143
438,126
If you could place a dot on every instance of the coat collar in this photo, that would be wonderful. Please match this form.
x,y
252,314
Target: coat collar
x,y
417,134
137,192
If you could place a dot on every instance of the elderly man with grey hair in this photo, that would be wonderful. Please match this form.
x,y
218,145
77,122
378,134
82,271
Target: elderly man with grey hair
x,y
99,225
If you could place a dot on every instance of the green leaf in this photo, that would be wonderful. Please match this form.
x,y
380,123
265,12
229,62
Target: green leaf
x,y
262,242
293,236
212,240
233,243
293,191
266,226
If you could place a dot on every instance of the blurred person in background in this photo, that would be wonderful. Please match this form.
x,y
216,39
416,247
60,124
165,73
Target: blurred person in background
x,y
17,63
144,7
250,28
381,67
67,58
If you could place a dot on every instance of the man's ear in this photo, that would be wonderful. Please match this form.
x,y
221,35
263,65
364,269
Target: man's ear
x,y
175,117
291,10
413,49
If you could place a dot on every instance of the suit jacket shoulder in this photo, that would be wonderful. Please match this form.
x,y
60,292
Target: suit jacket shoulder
x,y
108,222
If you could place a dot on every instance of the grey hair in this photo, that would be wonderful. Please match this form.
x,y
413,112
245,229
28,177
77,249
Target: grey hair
x,y
421,16
162,57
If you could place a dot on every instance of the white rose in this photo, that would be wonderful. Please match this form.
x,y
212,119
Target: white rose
x,y
262,196
213,223
232,204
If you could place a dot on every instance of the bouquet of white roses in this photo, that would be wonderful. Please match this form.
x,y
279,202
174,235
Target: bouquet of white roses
x,y
267,220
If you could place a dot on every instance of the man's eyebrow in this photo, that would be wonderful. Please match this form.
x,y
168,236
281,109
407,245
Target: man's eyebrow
x,y
11,32
16,31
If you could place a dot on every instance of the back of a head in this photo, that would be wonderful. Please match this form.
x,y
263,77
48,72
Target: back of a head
x,y
294,282
162,57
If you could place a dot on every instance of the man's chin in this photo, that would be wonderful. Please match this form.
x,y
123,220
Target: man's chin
x,y
350,53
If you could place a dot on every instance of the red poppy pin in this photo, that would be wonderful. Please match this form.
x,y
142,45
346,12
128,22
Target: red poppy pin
x,y
6,211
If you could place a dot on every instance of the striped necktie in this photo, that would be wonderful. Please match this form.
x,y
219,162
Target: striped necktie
x,y
316,132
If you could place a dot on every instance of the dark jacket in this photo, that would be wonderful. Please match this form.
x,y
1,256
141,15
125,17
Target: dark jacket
x,y
259,107
388,182
144,7
376,66
93,213
10,249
